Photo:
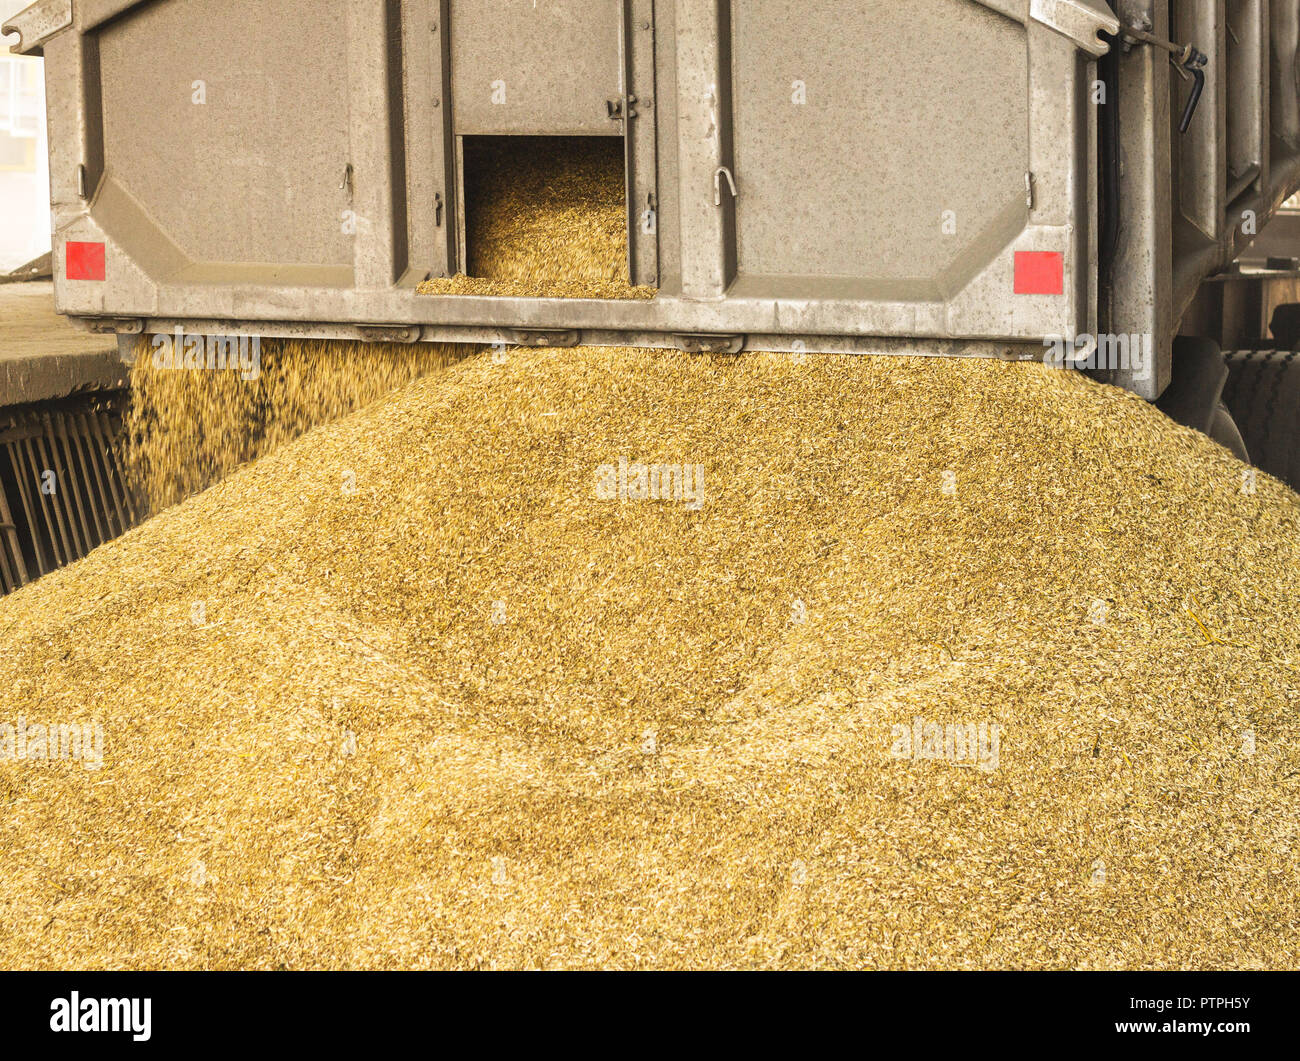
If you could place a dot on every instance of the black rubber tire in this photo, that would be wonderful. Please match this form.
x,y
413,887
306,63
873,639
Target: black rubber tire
x,y
1263,395
1199,375
1225,432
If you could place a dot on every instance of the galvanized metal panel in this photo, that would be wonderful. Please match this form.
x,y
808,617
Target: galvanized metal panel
x,y
227,126
1140,302
1203,149
858,154
392,84
665,132
1284,103
545,69
232,214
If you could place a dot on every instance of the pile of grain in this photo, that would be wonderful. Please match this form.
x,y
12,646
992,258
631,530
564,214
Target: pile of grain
x,y
545,217
409,692
190,428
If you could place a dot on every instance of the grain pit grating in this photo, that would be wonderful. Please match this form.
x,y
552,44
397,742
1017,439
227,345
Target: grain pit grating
x,y
62,487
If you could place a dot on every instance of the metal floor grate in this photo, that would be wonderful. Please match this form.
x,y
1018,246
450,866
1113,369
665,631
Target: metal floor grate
x,y
62,487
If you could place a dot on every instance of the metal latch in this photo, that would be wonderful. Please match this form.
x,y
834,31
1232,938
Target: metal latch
x,y
1187,59
620,107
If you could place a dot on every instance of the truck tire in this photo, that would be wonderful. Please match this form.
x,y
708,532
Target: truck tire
x,y
1194,396
1225,432
1263,394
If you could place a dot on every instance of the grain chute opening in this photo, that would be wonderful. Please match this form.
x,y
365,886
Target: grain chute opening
x,y
545,217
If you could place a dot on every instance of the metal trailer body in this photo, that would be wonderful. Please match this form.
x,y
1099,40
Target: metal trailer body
x,y
960,177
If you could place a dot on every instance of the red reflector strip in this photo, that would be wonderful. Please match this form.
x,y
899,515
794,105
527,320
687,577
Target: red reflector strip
x,y
1040,273
85,261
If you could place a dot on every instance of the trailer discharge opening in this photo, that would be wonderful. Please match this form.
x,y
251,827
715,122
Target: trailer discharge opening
x,y
545,217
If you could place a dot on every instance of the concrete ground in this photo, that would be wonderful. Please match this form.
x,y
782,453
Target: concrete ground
x,y
42,356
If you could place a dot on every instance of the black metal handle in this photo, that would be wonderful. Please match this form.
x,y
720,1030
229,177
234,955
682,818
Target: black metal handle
x,y
1186,57
1195,65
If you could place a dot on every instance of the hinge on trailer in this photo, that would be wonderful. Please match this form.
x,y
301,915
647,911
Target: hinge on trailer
x,y
553,337
37,23
1082,21
710,344
376,333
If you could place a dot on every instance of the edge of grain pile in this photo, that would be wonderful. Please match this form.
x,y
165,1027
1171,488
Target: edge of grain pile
x,y
478,713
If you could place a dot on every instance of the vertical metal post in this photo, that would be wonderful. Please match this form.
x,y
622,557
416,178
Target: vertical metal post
x,y
18,465
707,209
421,120
1141,297
1203,149
445,144
1284,107
71,482
370,56
15,574
640,149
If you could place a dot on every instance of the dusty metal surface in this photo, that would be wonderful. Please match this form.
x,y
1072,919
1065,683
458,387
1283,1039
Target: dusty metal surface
x,y
222,191
524,68
817,204
1141,278
42,356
